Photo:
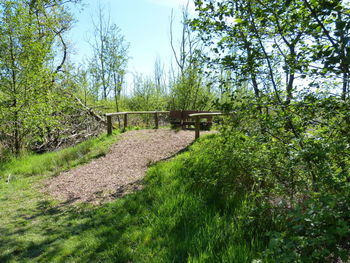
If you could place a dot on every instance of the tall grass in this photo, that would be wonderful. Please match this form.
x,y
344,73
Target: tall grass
x,y
168,221
54,162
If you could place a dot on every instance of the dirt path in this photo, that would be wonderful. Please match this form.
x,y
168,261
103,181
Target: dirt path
x,y
122,169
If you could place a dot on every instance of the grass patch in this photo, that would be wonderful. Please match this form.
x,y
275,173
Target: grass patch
x,y
168,221
54,162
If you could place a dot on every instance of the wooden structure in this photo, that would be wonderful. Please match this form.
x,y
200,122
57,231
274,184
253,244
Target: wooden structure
x,y
178,118
198,116
184,120
125,117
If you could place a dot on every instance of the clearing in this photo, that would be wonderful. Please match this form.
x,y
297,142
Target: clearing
x,y
122,169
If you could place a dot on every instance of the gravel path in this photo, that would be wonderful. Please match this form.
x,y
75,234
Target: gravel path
x,y
122,169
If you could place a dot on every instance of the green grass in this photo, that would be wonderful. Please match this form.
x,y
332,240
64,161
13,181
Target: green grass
x,y
54,162
168,221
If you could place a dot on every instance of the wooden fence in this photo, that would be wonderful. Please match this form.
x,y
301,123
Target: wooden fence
x,y
125,116
196,116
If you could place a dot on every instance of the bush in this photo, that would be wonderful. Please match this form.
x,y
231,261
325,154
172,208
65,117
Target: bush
x,y
317,230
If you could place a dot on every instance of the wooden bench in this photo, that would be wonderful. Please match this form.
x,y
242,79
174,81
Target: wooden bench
x,y
182,119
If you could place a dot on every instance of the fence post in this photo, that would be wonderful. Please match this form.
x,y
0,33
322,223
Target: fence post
x,y
156,120
109,125
125,121
197,126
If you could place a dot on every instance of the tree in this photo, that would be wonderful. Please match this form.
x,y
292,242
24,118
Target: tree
x,y
331,24
159,76
188,90
30,31
108,65
272,44
146,95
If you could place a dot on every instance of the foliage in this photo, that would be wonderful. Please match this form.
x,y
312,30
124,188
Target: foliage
x,y
301,170
189,92
265,43
30,31
290,126
146,95
317,230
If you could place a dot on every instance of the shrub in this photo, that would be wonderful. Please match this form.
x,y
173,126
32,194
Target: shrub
x,y
317,230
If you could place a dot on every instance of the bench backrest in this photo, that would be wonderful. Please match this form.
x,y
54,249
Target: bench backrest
x,y
184,115
176,115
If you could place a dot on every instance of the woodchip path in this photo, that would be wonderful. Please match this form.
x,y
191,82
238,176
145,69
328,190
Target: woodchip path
x,y
122,169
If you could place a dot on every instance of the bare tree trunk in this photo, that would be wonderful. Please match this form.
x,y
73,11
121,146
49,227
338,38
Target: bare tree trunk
x,y
16,134
117,83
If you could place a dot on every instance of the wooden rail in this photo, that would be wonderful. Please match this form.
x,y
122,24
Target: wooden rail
x,y
110,115
198,116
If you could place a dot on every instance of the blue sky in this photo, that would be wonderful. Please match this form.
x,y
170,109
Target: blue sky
x,y
144,23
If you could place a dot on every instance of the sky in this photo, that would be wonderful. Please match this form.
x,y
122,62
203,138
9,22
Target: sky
x,y
144,24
